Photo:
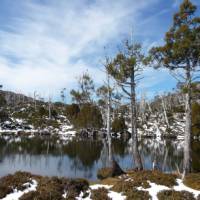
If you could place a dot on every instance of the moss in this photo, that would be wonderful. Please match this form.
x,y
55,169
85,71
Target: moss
x,y
16,181
100,194
174,195
193,180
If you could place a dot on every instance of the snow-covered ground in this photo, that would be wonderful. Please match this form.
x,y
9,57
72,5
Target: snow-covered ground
x,y
153,190
18,193
113,195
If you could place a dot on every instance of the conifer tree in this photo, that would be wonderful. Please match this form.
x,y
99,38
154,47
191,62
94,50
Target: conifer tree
x,y
126,69
86,87
181,55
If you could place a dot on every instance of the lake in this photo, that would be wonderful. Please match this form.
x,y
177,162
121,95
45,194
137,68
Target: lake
x,y
83,157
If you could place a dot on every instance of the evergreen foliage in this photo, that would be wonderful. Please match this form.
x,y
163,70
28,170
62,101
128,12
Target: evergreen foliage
x,y
196,119
118,125
89,117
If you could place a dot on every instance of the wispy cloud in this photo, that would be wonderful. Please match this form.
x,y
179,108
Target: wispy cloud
x,y
45,46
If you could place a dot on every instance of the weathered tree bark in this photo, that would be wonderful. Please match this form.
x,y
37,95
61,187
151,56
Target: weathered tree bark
x,y
165,112
188,125
134,136
156,122
109,122
49,107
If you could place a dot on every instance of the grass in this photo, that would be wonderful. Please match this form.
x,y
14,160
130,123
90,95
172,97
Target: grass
x,y
155,176
100,194
174,195
10,182
104,173
51,188
193,180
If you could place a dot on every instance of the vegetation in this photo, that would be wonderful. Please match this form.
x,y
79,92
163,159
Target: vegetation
x,y
119,125
181,51
55,188
89,117
100,194
171,195
86,88
126,69
193,180
48,188
196,119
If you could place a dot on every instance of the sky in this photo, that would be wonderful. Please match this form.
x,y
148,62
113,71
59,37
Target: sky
x,y
45,45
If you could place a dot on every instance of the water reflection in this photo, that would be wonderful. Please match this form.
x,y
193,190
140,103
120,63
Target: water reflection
x,y
82,158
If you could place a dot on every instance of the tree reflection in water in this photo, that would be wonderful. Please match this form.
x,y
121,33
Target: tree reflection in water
x,y
83,157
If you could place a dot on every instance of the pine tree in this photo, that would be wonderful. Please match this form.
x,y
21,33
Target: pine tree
x,y
86,87
181,55
126,69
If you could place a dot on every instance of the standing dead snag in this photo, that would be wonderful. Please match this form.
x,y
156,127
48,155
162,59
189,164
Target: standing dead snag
x,y
181,55
106,94
126,69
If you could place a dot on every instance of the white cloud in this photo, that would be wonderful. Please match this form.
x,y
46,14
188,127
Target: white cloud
x,y
48,45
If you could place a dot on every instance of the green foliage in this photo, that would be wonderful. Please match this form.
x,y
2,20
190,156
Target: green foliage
x,y
2,100
86,88
193,181
100,194
42,111
89,117
72,111
182,47
3,115
127,65
196,119
172,195
118,125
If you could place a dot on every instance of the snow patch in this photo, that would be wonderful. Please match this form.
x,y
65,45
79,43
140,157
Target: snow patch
x,y
181,187
17,193
154,189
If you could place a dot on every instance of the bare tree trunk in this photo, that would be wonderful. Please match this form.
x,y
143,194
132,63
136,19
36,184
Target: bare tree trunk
x,y
188,126
35,94
49,108
134,136
165,113
156,122
109,122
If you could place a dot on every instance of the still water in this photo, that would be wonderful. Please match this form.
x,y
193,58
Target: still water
x,y
83,157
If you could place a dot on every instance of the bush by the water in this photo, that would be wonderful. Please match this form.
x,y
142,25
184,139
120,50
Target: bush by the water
x,y
119,125
89,117
196,119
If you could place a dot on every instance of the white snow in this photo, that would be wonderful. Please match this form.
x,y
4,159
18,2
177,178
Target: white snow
x,y
116,196
97,186
113,195
154,189
181,187
66,132
17,193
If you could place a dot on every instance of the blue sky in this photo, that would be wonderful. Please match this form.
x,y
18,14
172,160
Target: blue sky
x,y
46,44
